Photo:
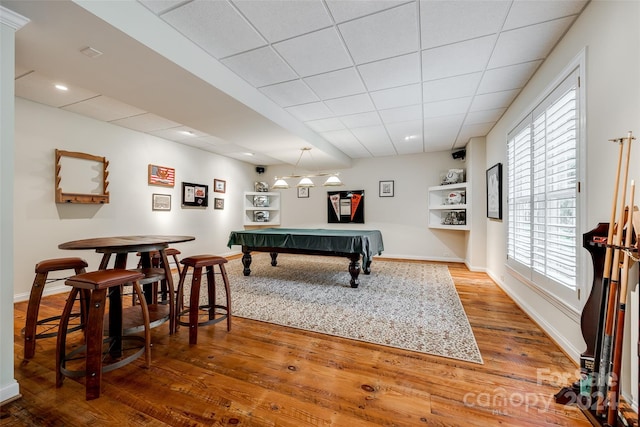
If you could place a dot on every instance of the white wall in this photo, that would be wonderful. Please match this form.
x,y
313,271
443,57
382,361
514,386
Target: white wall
x,y
609,31
41,224
402,219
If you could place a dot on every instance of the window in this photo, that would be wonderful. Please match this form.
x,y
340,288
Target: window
x,y
542,187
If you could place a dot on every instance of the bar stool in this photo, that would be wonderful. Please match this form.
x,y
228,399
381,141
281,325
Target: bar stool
x,y
43,268
98,283
198,262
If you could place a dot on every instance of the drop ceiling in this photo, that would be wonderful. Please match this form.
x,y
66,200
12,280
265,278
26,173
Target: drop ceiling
x,y
350,78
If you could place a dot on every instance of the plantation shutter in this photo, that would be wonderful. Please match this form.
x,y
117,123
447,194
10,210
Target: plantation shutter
x,y
542,190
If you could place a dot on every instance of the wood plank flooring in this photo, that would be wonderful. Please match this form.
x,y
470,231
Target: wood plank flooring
x,y
265,375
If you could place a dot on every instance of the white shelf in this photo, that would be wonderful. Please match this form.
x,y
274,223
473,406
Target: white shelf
x,y
442,213
261,205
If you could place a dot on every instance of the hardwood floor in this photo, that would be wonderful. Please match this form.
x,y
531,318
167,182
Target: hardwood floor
x,y
265,375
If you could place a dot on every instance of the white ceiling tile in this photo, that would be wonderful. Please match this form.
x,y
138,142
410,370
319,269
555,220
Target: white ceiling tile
x,y
472,131
215,26
401,114
260,67
389,33
397,97
40,88
335,84
290,93
325,125
452,87
490,101
315,53
146,123
472,19
311,111
376,140
398,71
456,59
350,105
104,108
405,132
413,146
346,142
484,116
282,19
361,120
514,47
526,12
159,6
447,107
346,10
510,77
178,134
211,140
452,121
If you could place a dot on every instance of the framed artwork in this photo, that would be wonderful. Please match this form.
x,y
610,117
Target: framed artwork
x,y
494,191
161,175
161,202
195,194
303,192
218,203
386,189
345,206
219,186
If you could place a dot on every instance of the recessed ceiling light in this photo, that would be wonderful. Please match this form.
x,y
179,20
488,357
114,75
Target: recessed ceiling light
x,y
249,154
61,87
410,137
188,132
91,52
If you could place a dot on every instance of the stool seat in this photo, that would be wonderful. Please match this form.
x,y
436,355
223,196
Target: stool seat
x,y
197,263
97,283
42,270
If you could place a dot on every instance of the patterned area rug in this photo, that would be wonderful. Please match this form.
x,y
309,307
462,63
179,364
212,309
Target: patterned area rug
x,y
413,306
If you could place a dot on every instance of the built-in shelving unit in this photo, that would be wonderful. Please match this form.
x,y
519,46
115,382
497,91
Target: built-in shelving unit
x,y
448,208
261,208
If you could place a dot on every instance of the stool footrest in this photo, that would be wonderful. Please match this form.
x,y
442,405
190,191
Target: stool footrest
x,y
71,373
222,316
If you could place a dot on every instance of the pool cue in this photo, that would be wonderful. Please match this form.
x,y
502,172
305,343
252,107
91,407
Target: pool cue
x,y
600,376
619,334
605,354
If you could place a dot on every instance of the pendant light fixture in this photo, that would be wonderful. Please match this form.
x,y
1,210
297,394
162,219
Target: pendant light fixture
x,y
305,180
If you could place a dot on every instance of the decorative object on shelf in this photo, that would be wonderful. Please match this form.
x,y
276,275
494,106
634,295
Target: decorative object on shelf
x,y
456,198
386,188
345,206
303,192
455,218
452,176
261,216
218,203
494,191
195,194
80,178
305,180
261,201
161,175
161,202
219,186
261,186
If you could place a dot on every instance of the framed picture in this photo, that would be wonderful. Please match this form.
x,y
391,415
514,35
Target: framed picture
x,y
161,202
345,206
161,175
195,194
219,186
386,189
218,203
303,192
494,191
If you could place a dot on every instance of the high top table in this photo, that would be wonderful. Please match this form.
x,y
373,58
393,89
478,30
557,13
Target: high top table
x,y
339,242
121,246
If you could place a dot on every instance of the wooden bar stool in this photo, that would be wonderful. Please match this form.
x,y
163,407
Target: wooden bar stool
x,y
43,268
98,283
198,262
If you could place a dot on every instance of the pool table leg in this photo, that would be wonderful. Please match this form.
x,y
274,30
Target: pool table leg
x,y
354,270
246,261
274,258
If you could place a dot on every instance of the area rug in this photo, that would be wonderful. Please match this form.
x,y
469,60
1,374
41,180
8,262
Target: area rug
x,y
412,306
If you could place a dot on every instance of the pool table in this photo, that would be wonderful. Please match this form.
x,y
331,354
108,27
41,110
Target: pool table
x,y
342,243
